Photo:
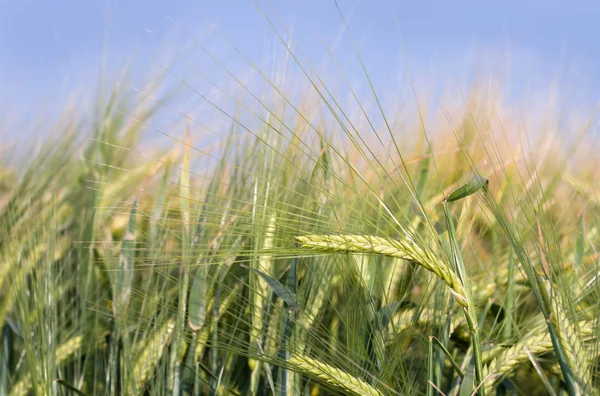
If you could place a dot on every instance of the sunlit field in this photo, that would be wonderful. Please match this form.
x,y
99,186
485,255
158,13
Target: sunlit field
x,y
300,236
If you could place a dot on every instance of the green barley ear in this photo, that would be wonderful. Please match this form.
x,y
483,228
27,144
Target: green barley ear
x,y
332,376
569,335
63,353
502,362
152,350
542,290
405,249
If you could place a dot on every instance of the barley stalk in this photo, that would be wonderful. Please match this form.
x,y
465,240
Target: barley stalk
x,y
331,375
405,249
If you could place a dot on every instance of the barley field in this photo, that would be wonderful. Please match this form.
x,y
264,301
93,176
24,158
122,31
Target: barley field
x,y
301,245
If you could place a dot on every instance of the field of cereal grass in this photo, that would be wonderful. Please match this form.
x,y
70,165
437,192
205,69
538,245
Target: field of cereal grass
x,y
308,249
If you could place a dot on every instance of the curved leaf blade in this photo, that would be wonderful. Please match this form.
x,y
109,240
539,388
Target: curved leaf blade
x,y
476,183
278,288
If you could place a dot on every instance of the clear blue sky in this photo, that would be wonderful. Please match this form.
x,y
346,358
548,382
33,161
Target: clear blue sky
x,y
50,48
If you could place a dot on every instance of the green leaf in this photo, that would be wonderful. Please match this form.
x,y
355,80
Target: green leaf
x,y
455,365
278,288
472,186
184,186
579,244
189,378
423,174
324,158
386,313
70,387
7,351
124,275
466,386
159,205
198,299
14,326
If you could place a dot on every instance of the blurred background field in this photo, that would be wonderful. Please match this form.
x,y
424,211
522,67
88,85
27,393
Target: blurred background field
x,y
157,172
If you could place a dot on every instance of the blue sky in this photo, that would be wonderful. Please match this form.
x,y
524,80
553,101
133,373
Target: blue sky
x,y
50,49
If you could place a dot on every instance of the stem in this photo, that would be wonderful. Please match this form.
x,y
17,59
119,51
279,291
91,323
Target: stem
x,y
510,298
430,368
469,310
477,357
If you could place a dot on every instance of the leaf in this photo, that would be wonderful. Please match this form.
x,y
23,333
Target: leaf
x,y
472,186
7,351
287,342
283,292
159,205
70,387
455,365
189,377
324,158
14,326
423,174
385,314
125,270
579,244
184,186
198,299
466,386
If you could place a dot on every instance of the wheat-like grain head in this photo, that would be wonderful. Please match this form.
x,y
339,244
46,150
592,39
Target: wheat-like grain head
x,y
406,249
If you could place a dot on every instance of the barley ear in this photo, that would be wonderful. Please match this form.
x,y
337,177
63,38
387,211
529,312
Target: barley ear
x,y
332,376
405,249
152,351
570,339
63,352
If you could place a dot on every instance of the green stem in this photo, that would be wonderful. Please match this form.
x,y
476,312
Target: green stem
x,y
430,368
469,310
477,356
